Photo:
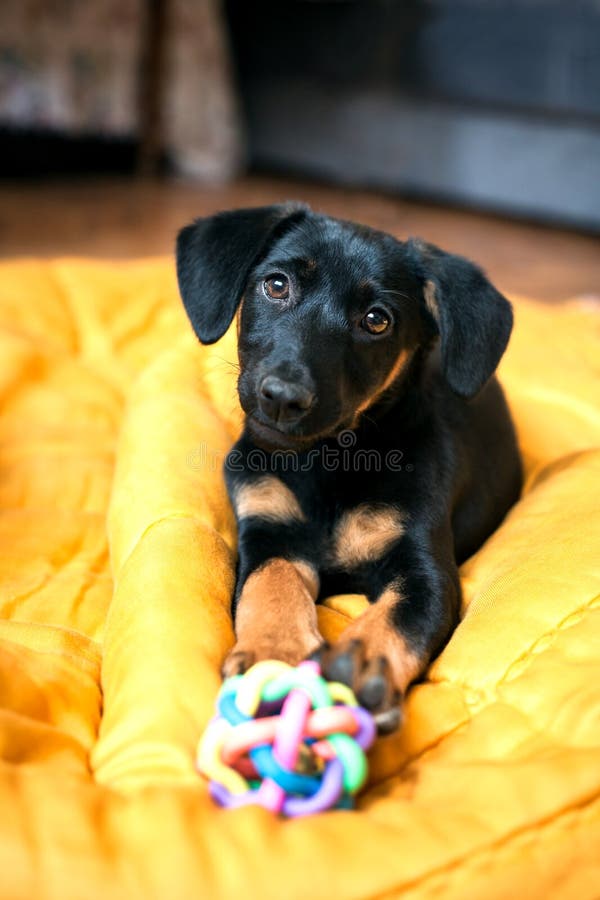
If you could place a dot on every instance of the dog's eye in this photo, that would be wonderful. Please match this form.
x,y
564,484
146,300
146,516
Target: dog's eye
x,y
277,287
376,321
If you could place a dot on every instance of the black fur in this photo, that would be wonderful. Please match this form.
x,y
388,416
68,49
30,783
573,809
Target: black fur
x,y
442,421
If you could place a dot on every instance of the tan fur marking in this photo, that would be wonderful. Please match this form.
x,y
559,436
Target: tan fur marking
x,y
238,317
380,638
431,300
398,366
309,576
365,533
268,498
276,615
395,372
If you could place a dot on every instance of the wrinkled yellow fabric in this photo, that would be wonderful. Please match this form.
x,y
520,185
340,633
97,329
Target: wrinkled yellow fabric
x,y
116,567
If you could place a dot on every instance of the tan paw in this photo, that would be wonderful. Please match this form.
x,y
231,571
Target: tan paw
x,y
370,677
292,651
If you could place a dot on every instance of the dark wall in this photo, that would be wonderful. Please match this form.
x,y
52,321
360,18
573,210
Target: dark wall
x,y
491,104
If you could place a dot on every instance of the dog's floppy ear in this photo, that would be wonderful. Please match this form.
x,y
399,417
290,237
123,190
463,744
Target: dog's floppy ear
x,y
474,320
214,258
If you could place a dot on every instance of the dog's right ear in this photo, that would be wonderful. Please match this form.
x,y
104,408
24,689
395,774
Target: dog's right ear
x,y
214,258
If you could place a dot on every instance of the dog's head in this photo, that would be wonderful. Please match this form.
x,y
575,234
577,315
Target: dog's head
x,y
332,313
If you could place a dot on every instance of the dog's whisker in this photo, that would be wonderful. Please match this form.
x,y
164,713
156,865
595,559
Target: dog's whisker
x,y
371,420
397,294
225,361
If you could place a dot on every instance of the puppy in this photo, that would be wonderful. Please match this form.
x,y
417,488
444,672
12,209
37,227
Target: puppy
x,y
378,451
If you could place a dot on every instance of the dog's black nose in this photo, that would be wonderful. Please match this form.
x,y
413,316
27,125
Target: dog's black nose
x,y
284,401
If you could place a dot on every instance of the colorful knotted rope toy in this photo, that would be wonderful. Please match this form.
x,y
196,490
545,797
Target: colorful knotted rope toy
x,y
287,739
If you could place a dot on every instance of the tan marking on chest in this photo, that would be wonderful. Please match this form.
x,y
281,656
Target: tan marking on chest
x,y
268,498
365,533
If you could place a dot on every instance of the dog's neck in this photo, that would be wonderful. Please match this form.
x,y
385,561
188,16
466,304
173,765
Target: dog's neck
x,y
404,399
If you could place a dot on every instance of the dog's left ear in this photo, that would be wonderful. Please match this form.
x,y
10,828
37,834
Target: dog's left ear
x,y
474,320
214,258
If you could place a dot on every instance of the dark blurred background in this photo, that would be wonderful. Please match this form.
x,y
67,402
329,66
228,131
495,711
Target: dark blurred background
x,y
485,103
459,118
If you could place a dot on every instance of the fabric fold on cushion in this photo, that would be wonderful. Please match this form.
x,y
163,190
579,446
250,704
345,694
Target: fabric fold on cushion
x,y
172,537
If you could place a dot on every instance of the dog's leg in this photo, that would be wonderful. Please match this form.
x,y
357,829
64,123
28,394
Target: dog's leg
x,y
391,643
275,615
278,583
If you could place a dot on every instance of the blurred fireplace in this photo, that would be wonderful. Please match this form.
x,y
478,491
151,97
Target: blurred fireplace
x,y
490,104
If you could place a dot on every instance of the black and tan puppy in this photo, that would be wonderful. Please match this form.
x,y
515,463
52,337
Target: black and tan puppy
x,y
378,451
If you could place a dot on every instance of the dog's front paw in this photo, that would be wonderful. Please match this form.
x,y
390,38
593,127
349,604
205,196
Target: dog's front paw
x,y
370,677
291,650
237,662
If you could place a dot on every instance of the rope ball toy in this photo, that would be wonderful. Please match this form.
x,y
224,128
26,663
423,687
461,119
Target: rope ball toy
x,y
286,739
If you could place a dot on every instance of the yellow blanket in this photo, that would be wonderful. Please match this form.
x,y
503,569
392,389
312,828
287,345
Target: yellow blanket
x,y
117,551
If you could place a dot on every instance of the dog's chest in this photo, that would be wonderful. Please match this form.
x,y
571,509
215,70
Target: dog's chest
x,y
363,535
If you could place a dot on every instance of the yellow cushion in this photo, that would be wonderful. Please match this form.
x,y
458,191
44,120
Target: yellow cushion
x,y
116,569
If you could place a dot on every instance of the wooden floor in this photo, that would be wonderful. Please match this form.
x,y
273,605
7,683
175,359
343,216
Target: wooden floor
x,y
116,219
